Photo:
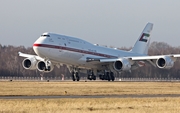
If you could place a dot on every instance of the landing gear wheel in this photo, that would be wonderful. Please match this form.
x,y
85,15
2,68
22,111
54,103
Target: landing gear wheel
x,y
73,77
108,76
91,76
112,76
101,77
77,76
94,77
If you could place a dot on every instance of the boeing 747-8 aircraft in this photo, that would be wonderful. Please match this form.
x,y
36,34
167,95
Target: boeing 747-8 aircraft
x,y
53,49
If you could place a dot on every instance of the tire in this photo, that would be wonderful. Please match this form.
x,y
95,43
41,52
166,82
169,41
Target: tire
x,y
100,76
88,77
94,77
108,76
73,78
112,76
77,76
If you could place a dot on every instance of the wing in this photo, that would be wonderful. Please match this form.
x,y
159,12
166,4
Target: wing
x,y
133,58
29,56
161,61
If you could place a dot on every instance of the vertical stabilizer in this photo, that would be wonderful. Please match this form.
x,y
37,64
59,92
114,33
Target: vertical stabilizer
x,y
142,44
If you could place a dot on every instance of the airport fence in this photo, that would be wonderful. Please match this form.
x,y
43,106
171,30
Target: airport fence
x,y
84,78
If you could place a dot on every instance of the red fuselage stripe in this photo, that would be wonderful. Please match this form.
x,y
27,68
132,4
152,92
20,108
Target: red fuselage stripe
x,y
74,50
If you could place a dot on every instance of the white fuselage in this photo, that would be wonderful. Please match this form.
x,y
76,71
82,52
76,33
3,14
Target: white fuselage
x,y
74,51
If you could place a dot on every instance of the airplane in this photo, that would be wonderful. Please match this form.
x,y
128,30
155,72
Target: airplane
x,y
54,50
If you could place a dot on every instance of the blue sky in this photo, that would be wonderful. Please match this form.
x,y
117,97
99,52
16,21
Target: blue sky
x,y
115,23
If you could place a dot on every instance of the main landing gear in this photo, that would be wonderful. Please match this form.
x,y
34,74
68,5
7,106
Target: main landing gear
x,y
107,76
103,75
75,75
91,75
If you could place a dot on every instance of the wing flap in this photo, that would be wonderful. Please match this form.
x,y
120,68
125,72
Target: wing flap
x,y
145,58
88,59
108,60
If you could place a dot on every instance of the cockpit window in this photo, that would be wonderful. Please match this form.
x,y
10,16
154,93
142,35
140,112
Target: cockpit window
x,y
45,35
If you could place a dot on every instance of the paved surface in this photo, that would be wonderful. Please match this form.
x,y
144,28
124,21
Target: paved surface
x,y
90,96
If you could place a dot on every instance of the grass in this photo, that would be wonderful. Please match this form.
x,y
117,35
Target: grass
x,y
90,105
88,88
103,105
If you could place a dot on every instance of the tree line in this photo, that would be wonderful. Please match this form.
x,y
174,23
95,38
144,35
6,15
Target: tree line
x,y
11,63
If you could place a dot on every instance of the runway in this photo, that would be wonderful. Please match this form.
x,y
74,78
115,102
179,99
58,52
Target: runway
x,y
90,96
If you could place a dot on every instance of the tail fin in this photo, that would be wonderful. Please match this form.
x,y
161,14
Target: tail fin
x,y
142,44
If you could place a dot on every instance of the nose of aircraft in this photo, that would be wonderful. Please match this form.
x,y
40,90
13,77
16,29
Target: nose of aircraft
x,y
37,46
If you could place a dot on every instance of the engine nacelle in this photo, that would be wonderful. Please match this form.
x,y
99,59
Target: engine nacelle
x,y
122,65
29,63
41,66
165,62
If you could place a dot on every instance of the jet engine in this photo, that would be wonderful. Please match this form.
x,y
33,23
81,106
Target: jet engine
x,y
45,66
165,62
29,63
122,65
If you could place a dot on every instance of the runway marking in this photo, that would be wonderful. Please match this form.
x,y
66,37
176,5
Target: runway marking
x,y
90,96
